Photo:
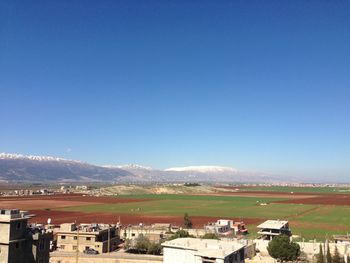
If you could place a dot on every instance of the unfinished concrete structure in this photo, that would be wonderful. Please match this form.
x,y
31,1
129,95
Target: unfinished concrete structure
x,y
154,232
100,237
271,228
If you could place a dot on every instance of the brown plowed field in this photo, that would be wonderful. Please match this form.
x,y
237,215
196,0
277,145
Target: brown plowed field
x,y
325,199
59,217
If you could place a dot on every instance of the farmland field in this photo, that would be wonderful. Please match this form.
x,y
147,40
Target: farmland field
x,y
312,215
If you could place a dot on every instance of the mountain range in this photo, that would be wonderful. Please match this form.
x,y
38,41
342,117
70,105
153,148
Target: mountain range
x,y
30,168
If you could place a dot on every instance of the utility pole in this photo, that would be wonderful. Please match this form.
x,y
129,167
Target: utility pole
x,y
109,236
77,252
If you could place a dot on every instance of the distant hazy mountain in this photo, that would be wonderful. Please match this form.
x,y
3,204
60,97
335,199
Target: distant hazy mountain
x,y
16,167
210,174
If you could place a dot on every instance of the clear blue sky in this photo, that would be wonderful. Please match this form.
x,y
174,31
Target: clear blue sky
x,y
256,85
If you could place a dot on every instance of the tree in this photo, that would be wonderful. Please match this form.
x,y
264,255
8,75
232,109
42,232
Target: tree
x,y
142,244
336,257
210,236
280,247
154,248
127,244
328,254
187,221
320,256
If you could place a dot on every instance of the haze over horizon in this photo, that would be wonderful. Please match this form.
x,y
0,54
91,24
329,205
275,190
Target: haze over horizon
x,y
258,86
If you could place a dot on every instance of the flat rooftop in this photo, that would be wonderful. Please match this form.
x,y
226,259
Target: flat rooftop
x,y
84,228
205,247
273,224
7,215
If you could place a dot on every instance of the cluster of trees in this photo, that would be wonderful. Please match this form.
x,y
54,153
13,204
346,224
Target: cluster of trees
x,y
327,257
179,234
191,184
283,249
280,247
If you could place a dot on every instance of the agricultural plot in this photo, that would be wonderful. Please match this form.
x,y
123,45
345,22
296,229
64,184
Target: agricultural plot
x,y
311,215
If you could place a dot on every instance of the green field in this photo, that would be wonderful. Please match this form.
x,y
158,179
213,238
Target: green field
x,y
288,189
307,221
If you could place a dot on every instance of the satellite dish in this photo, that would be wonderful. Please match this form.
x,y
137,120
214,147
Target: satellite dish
x,y
49,221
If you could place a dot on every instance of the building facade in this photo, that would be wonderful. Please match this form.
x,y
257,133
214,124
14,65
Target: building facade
x,y
20,243
100,237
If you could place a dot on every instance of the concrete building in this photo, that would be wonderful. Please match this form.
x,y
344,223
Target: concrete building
x,y
271,228
220,227
101,237
226,227
20,243
39,241
154,232
192,250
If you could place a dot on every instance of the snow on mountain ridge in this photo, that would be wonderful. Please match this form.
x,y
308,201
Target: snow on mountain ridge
x,y
130,166
13,156
203,169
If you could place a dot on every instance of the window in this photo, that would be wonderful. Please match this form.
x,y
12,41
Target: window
x,y
88,238
75,237
63,247
133,234
63,237
75,247
18,225
17,245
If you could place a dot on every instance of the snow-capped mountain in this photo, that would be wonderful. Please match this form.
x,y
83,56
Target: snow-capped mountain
x,y
18,167
203,169
15,156
130,167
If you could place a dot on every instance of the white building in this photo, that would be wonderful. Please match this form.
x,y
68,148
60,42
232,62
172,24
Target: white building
x,y
221,227
192,250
